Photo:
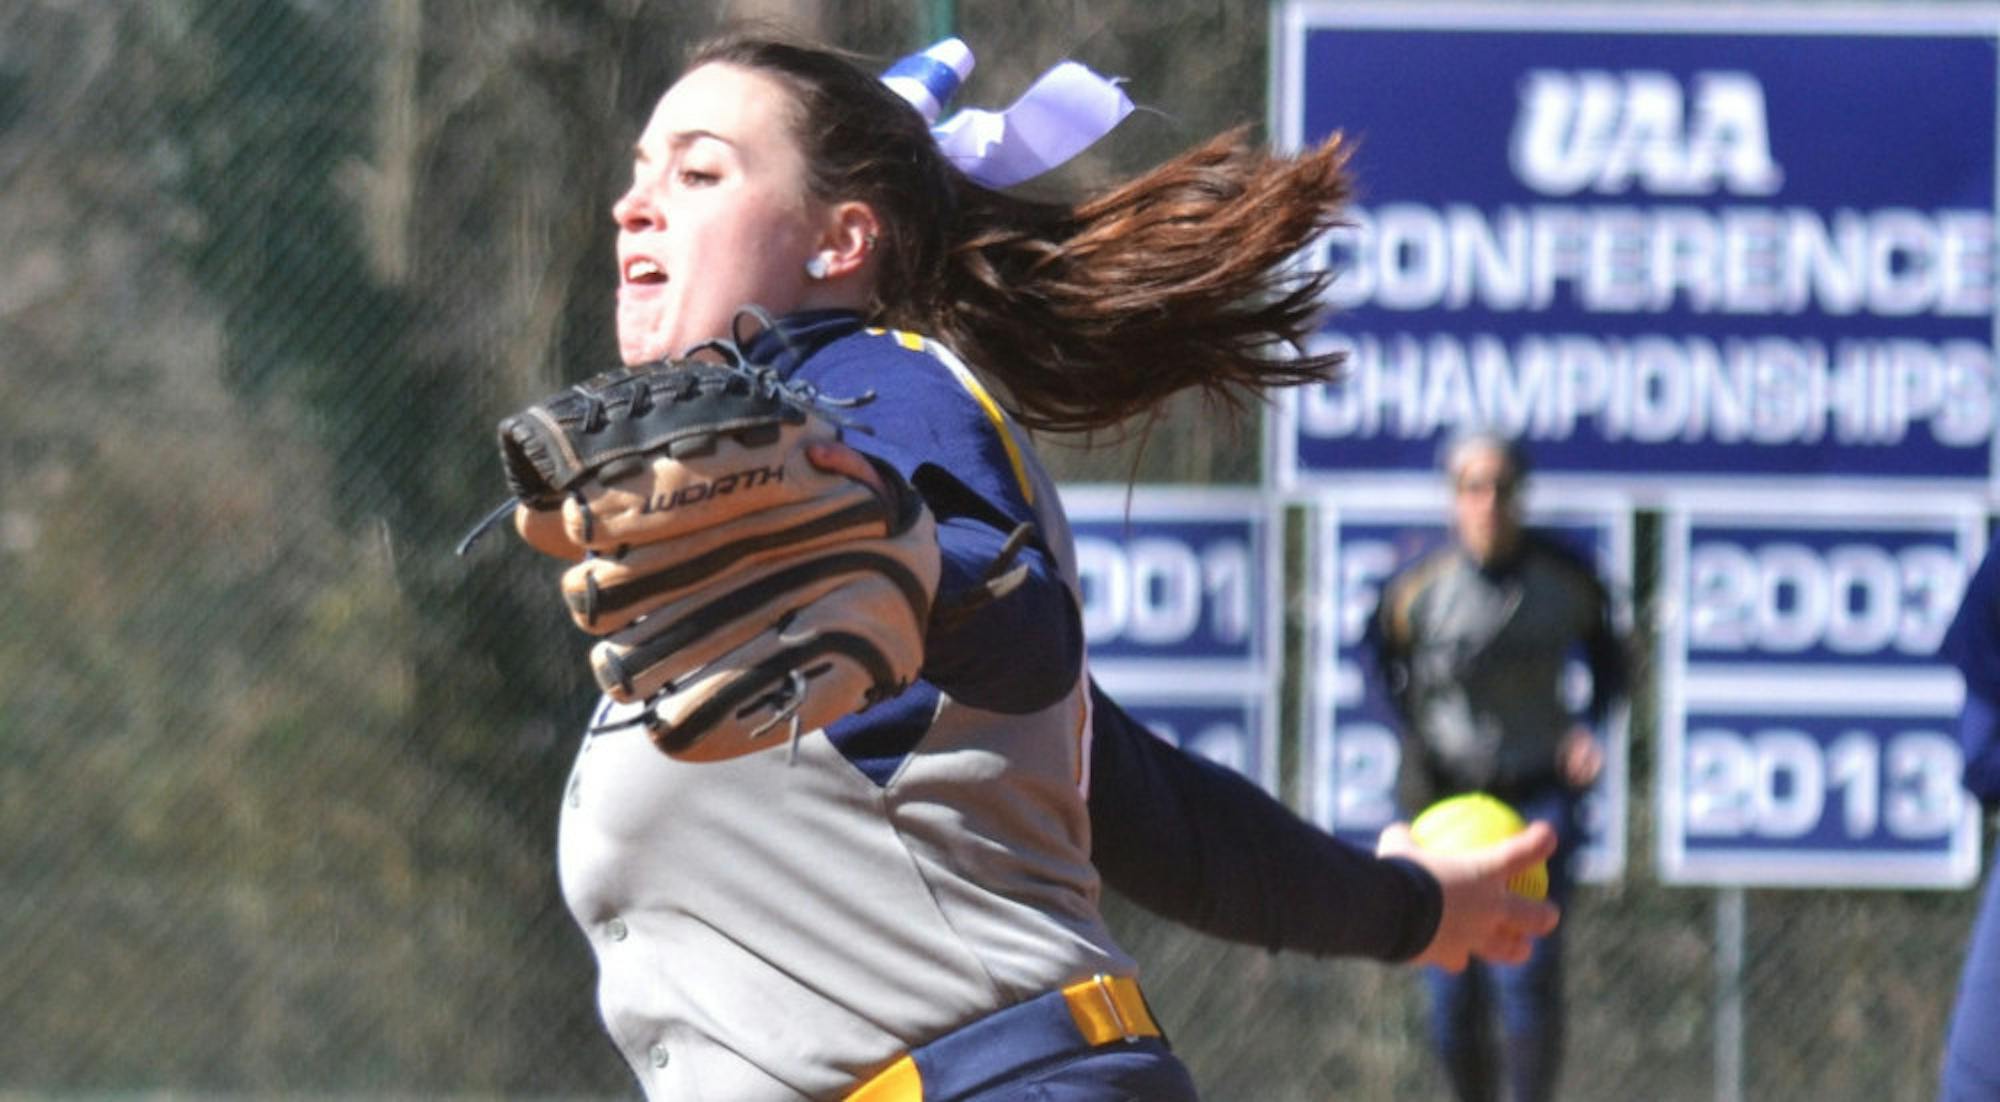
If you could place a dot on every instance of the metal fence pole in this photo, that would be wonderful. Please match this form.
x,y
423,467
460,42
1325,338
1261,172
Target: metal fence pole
x,y
1729,995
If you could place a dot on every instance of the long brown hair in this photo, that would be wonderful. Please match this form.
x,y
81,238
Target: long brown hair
x,y
1087,314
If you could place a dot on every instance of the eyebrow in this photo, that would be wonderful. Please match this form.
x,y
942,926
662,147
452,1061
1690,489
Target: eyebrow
x,y
682,138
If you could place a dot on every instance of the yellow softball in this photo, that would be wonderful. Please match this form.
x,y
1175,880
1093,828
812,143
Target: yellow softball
x,y
1460,823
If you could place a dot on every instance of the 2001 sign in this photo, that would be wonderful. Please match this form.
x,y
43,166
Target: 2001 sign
x,y
1156,592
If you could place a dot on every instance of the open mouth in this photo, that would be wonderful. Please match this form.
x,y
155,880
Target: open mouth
x,y
644,271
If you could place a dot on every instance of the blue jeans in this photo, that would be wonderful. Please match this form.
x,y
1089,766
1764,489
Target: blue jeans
x,y
1972,1049
1527,996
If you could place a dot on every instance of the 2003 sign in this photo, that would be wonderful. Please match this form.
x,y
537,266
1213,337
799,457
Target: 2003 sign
x,y
1788,597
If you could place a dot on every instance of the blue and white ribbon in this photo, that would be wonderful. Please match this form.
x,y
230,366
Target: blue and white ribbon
x,y
1062,114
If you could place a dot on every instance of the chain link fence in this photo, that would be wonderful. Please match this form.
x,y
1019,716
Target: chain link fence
x,y
278,771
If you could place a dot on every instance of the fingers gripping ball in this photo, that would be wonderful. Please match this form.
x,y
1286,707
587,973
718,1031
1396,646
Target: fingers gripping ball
x,y
1472,821
738,589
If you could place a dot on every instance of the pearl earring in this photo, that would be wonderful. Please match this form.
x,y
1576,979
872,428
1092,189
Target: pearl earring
x,y
816,267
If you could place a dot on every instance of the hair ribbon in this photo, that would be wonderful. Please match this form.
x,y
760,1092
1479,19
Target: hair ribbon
x,y
1063,113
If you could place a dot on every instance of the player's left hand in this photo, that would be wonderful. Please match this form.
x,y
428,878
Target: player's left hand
x,y
1480,916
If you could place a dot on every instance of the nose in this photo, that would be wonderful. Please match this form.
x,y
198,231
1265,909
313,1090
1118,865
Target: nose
x,y
633,213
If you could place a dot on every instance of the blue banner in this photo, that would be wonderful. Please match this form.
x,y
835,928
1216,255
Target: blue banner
x,y
1181,593
1666,249
1806,725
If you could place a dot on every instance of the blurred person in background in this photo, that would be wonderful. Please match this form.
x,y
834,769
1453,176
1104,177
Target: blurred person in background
x,y
1470,643
1972,645
905,905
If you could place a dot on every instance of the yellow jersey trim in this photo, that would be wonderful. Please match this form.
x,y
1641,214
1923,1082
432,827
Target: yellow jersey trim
x,y
918,343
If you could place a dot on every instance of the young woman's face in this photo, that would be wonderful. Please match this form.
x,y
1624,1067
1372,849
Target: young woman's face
x,y
717,216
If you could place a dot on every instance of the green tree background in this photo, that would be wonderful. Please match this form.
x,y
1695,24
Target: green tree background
x,y
278,771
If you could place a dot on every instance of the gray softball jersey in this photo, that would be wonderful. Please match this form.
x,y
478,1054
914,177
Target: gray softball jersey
x,y
784,924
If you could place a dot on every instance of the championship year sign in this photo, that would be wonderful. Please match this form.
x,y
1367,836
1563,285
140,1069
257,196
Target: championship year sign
x,y
1666,248
1354,749
1181,600
1806,725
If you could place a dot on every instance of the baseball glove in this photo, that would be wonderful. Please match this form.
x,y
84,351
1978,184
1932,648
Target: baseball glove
x,y
738,588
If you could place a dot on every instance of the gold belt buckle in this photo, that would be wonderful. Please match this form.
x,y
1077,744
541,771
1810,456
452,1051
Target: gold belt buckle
x,y
1103,982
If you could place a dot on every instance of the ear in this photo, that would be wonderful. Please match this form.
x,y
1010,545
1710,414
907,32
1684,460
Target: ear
x,y
849,238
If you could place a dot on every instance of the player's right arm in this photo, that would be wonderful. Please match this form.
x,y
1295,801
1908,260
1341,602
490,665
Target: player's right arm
x,y
1199,844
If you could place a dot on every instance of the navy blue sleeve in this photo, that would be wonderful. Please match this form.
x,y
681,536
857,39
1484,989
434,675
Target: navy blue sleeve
x,y
921,421
1972,642
1972,645
962,659
1196,843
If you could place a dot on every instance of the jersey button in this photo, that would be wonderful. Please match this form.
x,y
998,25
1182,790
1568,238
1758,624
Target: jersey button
x,y
659,1055
615,929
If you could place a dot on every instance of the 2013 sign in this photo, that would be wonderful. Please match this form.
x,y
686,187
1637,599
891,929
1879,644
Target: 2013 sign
x,y
1751,779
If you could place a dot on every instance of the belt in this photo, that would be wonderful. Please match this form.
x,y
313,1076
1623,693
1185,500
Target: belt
x,y
1076,1019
